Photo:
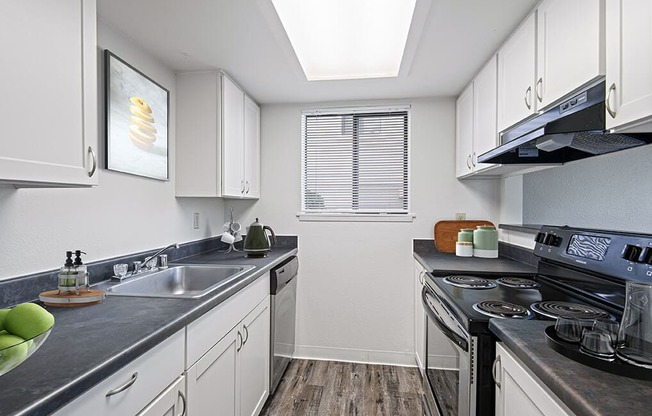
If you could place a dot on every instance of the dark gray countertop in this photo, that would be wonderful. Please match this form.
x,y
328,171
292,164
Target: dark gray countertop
x,y
585,390
448,263
87,344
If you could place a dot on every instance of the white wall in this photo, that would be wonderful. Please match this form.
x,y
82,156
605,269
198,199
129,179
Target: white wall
x,y
356,279
123,214
609,192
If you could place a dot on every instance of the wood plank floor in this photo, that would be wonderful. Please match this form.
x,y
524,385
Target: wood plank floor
x,y
328,388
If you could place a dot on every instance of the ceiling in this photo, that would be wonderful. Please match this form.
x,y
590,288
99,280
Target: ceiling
x,y
237,36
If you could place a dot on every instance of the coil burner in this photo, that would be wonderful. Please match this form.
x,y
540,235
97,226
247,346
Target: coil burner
x,y
517,283
554,309
500,309
469,282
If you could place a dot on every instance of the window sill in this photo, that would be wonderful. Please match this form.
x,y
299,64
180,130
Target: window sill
x,y
332,217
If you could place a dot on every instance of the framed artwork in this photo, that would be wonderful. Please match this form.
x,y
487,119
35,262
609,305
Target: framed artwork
x,y
137,112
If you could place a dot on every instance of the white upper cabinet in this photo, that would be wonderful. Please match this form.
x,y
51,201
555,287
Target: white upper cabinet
x,y
233,139
48,97
516,75
629,63
570,49
464,133
476,123
218,138
251,149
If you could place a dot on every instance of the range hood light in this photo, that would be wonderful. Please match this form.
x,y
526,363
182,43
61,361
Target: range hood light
x,y
554,142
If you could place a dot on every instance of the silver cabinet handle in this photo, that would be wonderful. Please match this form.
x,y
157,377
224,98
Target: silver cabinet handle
x,y
610,110
467,161
241,343
124,387
247,191
493,371
242,186
92,153
473,159
246,334
539,90
528,93
185,405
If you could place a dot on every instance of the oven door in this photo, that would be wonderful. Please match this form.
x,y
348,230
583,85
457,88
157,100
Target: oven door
x,y
450,357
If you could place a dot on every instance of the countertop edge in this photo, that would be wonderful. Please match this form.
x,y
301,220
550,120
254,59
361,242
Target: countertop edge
x,y
86,381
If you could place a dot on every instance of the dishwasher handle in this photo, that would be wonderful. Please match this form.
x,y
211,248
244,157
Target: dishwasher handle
x,y
284,273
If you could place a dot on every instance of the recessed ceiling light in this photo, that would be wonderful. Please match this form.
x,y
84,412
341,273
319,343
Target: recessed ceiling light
x,y
347,39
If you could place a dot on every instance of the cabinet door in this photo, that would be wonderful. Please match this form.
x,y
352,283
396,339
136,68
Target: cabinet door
x,y
232,139
213,380
485,135
629,61
464,133
516,71
253,360
570,53
251,148
172,402
518,392
48,97
419,319
198,150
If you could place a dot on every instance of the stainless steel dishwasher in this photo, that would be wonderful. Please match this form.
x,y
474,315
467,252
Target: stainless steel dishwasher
x,y
284,312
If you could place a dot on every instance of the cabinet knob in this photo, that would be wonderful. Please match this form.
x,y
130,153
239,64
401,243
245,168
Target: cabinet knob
x,y
610,110
94,160
528,96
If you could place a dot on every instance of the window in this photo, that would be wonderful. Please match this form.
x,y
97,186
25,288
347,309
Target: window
x,y
355,161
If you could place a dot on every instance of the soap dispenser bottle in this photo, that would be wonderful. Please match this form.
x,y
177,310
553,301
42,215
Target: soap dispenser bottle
x,y
82,272
67,276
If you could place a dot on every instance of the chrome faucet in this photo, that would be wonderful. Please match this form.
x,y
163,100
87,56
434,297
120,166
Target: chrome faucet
x,y
153,256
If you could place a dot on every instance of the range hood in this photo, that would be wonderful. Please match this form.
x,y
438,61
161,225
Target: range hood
x,y
575,129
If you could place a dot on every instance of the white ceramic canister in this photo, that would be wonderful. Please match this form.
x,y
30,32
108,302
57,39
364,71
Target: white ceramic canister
x,y
464,249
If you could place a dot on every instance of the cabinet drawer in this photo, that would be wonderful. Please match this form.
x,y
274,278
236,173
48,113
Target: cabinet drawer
x,y
151,378
215,324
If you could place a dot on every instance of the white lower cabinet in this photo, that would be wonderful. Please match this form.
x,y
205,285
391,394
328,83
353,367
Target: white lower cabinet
x,y
228,353
172,402
519,392
232,378
419,319
129,390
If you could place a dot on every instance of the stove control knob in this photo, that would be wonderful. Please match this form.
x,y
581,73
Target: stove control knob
x,y
540,237
631,252
645,256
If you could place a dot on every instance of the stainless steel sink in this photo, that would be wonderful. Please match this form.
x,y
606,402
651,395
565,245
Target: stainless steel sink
x,y
181,281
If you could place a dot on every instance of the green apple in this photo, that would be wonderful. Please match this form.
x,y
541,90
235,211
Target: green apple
x,y
28,320
12,355
3,313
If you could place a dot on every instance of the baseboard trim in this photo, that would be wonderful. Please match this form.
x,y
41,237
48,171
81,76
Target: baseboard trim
x,y
308,352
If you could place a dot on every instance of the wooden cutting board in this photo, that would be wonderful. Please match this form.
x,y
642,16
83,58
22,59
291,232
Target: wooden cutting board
x,y
446,232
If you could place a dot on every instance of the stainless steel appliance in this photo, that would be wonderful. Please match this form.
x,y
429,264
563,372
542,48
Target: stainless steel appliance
x,y
283,312
581,273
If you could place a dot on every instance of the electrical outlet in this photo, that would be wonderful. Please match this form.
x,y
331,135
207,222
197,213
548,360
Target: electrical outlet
x,y
460,216
195,220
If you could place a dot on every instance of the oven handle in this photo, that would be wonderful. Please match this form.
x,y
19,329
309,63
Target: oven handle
x,y
450,334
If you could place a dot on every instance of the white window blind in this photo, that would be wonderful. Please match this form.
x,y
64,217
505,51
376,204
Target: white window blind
x,y
355,161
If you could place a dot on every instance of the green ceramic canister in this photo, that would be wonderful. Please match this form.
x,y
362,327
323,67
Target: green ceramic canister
x,y
465,235
485,242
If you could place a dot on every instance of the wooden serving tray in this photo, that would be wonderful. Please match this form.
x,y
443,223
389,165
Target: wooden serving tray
x,y
85,298
446,232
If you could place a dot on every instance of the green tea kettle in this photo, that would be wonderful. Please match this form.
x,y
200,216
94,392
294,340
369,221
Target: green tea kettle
x,y
257,243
